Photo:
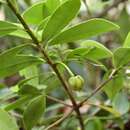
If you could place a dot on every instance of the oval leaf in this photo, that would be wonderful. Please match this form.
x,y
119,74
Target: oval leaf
x,y
18,103
34,112
52,5
7,122
39,11
84,30
91,50
7,27
35,13
20,33
106,108
111,110
11,62
31,71
42,24
60,18
113,86
127,41
121,57
17,63
121,103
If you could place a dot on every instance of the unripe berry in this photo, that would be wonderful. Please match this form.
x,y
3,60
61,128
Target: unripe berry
x,y
76,82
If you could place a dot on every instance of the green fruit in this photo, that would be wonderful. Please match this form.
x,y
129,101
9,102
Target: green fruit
x,y
76,82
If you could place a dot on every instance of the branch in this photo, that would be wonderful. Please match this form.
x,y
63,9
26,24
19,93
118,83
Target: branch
x,y
59,101
59,121
99,88
115,4
48,60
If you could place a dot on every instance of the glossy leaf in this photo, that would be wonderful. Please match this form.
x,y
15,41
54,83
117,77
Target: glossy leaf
x,y
31,71
90,50
92,124
7,27
34,112
13,51
11,62
47,79
35,13
6,121
127,41
124,22
114,86
106,108
52,5
121,57
84,30
43,24
20,33
39,11
29,90
46,84
61,18
111,110
18,103
121,103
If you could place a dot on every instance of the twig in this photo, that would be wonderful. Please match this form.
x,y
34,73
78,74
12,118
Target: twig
x,y
48,60
95,91
104,12
111,77
98,88
59,121
59,101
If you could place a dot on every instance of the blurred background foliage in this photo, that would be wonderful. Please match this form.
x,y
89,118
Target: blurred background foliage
x,y
95,117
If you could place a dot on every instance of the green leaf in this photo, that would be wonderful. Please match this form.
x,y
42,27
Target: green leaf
x,y
121,57
84,30
34,112
35,13
29,90
11,62
124,22
127,41
17,103
121,103
45,84
20,33
111,110
52,5
7,122
46,79
114,86
7,27
92,124
29,72
39,11
91,50
61,18
106,108
17,63
43,24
